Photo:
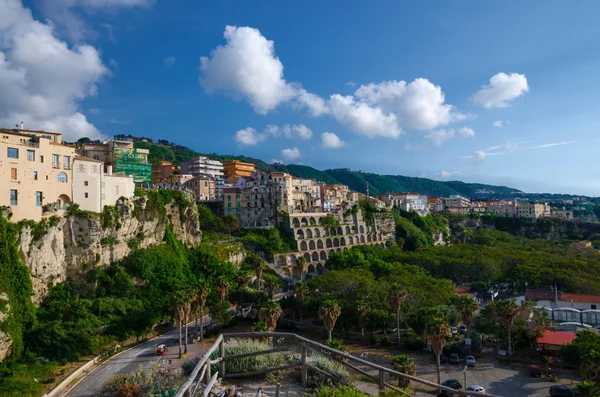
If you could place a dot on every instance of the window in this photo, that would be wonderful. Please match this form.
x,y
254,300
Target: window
x,y
41,158
62,177
94,169
55,160
103,197
38,199
13,153
86,195
85,183
13,197
67,160
13,174
96,157
31,155
594,307
81,168
35,175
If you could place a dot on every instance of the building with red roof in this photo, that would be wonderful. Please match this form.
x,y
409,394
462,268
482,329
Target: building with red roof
x,y
553,340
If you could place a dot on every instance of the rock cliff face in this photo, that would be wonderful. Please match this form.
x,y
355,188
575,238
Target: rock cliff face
x,y
81,242
5,341
385,224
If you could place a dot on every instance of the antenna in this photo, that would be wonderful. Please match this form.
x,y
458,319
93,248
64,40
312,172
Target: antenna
x,y
368,190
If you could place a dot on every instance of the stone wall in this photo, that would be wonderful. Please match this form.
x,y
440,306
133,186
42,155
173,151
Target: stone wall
x,y
79,243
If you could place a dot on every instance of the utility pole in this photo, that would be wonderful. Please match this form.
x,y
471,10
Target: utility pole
x,y
368,190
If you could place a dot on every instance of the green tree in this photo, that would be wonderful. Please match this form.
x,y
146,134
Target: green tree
x,y
406,365
398,296
300,291
467,307
230,223
329,312
588,389
362,308
202,292
269,313
436,332
271,285
222,285
300,265
181,300
508,311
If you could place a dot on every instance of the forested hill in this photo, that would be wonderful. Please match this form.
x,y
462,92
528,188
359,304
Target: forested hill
x,y
356,180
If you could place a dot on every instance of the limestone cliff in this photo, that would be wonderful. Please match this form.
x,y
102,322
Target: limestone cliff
x,y
74,244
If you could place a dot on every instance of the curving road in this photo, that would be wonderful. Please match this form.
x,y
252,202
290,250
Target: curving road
x,y
143,355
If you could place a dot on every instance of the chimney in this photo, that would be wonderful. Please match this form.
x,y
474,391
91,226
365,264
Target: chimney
x,y
109,170
22,128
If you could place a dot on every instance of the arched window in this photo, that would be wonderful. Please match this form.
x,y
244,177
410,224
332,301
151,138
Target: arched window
x,y
96,157
62,177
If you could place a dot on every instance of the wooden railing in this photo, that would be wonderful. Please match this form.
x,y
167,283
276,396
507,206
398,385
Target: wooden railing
x,y
201,375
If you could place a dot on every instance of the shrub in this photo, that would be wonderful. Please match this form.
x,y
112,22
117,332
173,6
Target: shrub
x,y
342,391
329,366
250,364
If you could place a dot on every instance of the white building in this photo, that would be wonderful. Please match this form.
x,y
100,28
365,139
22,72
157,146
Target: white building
x,y
457,201
93,189
202,165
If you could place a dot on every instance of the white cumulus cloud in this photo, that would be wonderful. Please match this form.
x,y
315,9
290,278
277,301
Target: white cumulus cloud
x,y
290,154
249,137
362,118
247,66
439,137
502,89
330,140
42,77
498,124
446,174
466,132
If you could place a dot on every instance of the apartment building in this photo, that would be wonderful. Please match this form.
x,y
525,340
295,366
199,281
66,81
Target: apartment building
x,y
533,211
203,165
203,186
232,201
35,173
456,201
124,158
93,188
233,169
162,171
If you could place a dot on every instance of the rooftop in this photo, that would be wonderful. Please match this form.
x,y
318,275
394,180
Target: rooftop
x,y
556,338
580,298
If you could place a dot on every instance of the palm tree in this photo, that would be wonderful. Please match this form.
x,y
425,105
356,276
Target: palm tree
x,y
300,292
588,388
222,286
179,303
271,285
436,332
397,298
508,311
201,296
259,326
242,279
406,365
187,308
363,308
300,266
467,307
329,313
259,267
269,313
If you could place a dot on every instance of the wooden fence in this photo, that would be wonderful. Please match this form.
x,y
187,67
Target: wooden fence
x,y
201,380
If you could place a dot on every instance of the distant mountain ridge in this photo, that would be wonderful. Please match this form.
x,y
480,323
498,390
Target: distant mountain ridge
x,y
356,180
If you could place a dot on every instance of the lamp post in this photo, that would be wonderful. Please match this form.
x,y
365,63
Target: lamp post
x,y
465,375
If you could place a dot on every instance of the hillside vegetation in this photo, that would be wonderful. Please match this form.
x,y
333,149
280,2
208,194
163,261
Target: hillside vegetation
x,y
356,180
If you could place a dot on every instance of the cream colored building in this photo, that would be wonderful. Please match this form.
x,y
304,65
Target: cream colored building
x,y
533,211
35,173
93,189
203,186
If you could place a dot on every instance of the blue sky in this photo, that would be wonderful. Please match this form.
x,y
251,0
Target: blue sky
x,y
501,93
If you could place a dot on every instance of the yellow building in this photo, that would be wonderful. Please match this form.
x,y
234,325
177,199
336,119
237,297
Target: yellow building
x,y
234,168
35,173
203,186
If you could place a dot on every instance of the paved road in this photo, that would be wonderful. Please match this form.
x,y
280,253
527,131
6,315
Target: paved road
x,y
143,355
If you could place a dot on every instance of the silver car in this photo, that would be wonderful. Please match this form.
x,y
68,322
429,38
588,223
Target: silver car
x,y
470,361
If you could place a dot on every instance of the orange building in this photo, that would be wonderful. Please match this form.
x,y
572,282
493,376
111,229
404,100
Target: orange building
x,y
162,170
236,168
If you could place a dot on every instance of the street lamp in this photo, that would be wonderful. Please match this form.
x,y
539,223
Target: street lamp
x,y
465,374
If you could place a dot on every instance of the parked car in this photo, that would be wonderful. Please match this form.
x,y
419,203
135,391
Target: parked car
x,y
534,370
462,329
442,358
452,383
427,349
470,361
454,358
454,330
561,391
476,388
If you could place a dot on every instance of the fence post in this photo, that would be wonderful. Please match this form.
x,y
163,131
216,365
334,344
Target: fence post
x,y
304,371
381,381
208,375
277,389
222,356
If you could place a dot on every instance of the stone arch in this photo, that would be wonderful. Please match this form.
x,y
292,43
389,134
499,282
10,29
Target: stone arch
x,y
336,242
300,234
354,229
311,269
304,221
331,252
296,273
342,241
347,229
340,231
319,244
303,246
307,257
380,237
320,268
63,201
281,261
315,256
292,259
312,221
325,232
329,243
338,249
345,248
368,238
312,245
362,239
350,240
323,256
317,232
309,233
361,229
333,232
295,222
